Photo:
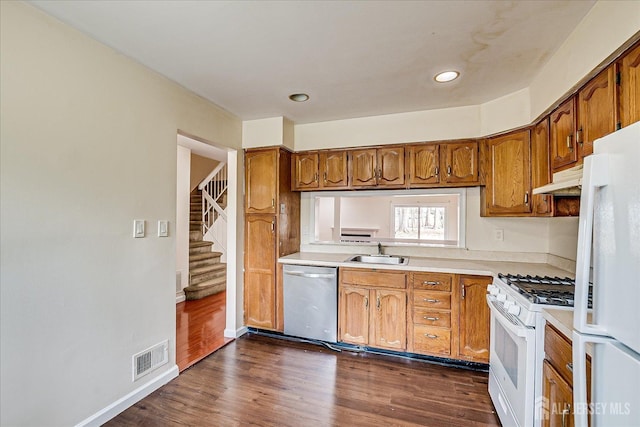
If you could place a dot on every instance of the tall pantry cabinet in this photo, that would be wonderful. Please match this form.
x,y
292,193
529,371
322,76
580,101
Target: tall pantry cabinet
x,y
272,230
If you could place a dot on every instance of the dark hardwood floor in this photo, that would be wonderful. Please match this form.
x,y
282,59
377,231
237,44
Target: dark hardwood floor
x,y
199,328
264,381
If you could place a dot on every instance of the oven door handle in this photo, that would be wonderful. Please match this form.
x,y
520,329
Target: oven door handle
x,y
512,325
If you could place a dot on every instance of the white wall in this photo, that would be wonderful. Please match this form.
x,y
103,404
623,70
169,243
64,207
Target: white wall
x,y
605,28
563,240
183,187
88,143
267,132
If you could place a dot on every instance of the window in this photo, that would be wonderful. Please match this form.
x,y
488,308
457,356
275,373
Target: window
x,y
408,217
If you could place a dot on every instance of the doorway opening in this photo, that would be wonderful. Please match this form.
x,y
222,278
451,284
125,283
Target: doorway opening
x,y
205,248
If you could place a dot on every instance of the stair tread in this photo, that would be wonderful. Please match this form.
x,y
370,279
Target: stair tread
x,y
204,255
211,282
198,244
208,269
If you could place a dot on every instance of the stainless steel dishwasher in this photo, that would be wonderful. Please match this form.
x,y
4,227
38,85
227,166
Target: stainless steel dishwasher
x,y
311,302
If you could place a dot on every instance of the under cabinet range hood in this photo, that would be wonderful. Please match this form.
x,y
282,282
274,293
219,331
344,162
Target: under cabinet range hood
x,y
565,183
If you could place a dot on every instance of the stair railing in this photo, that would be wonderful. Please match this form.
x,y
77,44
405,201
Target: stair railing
x,y
213,188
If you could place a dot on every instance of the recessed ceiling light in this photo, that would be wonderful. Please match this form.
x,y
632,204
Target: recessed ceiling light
x,y
446,76
299,97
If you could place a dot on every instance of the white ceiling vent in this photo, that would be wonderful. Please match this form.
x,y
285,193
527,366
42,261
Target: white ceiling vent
x,y
149,359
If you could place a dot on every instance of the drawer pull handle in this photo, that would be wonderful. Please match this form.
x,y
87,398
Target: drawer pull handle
x,y
431,336
431,300
433,319
570,366
430,283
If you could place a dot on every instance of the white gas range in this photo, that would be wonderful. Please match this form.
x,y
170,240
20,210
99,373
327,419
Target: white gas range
x,y
517,342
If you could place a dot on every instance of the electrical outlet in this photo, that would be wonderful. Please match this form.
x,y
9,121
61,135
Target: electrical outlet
x,y
498,234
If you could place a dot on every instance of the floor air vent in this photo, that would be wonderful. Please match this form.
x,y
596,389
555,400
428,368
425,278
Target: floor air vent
x,y
148,360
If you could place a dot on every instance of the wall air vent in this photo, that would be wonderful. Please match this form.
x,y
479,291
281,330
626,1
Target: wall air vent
x,y
149,359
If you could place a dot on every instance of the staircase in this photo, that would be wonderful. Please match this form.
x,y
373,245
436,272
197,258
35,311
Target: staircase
x,y
207,275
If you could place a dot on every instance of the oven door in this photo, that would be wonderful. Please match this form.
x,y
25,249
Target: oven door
x,y
512,367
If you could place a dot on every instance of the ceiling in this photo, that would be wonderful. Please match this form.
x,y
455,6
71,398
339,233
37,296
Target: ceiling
x,y
354,58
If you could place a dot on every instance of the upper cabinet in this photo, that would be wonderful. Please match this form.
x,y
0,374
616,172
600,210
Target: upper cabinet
x,y
596,110
261,170
541,204
629,66
460,162
564,150
319,170
446,164
377,167
508,180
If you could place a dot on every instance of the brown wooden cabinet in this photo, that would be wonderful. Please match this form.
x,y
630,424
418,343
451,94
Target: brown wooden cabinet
x,y
333,170
319,170
272,229
449,316
557,379
305,171
377,167
508,177
596,110
450,164
474,321
373,308
562,130
558,398
541,204
460,162
629,86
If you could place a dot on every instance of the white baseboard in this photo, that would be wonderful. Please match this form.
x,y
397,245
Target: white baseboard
x,y
180,296
130,399
230,333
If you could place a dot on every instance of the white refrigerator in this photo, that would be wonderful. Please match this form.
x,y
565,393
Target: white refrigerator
x,y
609,243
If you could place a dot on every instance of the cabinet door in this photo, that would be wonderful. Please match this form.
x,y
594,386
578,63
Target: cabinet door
x,y
363,168
509,176
423,163
354,315
630,87
542,204
390,166
259,276
305,169
261,169
460,162
596,110
474,318
333,168
389,319
557,410
564,152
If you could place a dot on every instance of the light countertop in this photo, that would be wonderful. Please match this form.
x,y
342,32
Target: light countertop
x,y
434,265
562,320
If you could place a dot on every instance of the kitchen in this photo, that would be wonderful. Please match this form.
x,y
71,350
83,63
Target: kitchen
x,y
120,293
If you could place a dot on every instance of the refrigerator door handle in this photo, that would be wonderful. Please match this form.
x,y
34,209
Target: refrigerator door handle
x,y
595,175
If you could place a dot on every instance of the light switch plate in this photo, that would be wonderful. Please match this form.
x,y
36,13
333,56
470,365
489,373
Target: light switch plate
x,y
163,228
138,228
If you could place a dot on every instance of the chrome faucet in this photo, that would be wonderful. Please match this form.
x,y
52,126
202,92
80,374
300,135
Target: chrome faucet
x,y
380,249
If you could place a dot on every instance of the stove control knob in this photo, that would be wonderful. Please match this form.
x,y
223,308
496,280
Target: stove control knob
x,y
514,309
502,297
494,290
490,288
508,304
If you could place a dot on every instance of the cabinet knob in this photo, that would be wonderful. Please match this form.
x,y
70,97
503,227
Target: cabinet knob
x,y
430,283
431,336
526,198
433,319
449,170
431,300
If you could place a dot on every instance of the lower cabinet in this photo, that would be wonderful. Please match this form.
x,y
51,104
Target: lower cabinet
x,y
436,314
373,312
449,316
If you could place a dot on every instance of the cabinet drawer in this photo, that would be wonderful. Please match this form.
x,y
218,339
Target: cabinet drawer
x,y
373,278
423,316
431,340
432,281
557,350
439,300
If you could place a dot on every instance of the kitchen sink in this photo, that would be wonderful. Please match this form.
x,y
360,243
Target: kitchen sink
x,y
379,259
